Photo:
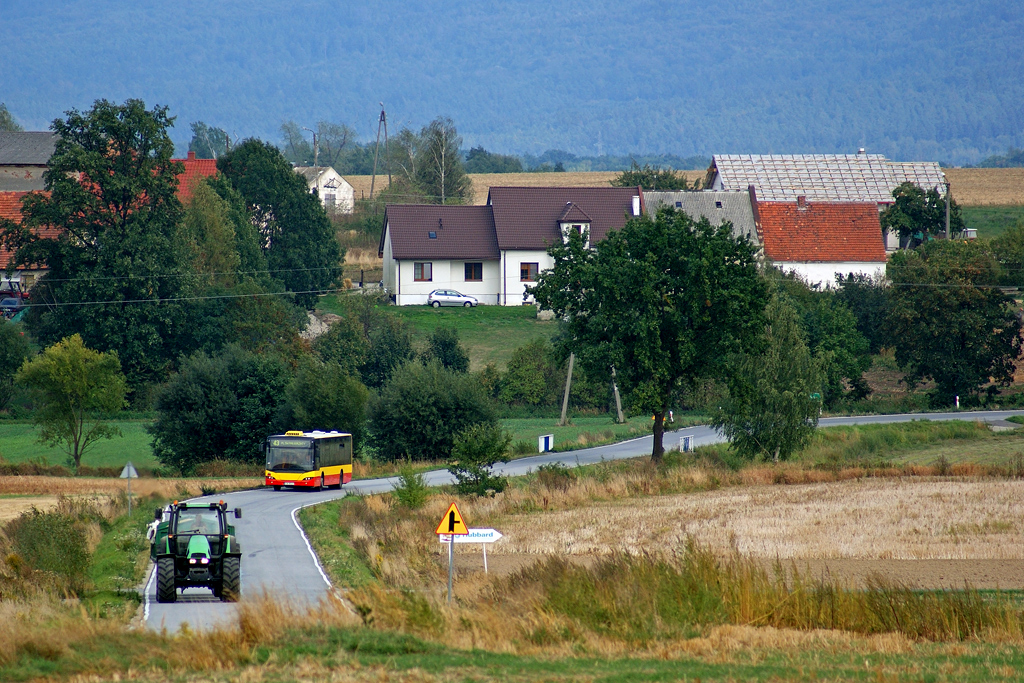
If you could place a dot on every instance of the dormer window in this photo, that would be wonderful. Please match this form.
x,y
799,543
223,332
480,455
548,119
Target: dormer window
x,y
574,220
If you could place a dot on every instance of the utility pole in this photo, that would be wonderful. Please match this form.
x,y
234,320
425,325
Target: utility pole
x,y
618,401
316,160
382,122
948,236
565,397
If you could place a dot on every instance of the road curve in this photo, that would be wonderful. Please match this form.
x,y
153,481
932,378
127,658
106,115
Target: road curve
x,y
277,558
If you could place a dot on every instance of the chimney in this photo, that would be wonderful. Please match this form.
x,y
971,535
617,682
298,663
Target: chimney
x,y
636,205
862,151
801,202
191,155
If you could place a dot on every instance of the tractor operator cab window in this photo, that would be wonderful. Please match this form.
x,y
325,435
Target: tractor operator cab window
x,y
206,522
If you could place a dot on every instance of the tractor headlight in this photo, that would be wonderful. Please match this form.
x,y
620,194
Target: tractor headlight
x,y
192,561
205,560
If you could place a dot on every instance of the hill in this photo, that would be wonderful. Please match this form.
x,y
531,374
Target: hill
x,y
605,78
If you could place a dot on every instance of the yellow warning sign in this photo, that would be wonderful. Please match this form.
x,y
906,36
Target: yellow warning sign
x,y
452,523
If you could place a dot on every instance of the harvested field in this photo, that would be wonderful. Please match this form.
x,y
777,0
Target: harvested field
x,y
986,186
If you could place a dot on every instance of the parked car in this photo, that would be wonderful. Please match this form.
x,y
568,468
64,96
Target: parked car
x,y
449,297
10,306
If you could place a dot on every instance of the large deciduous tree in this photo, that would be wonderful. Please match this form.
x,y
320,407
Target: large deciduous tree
x,y
208,142
74,388
917,215
297,237
14,349
948,323
118,265
665,301
439,166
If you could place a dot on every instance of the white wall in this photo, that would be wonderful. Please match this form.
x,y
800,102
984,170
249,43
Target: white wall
x,y
512,292
446,275
390,275
825,273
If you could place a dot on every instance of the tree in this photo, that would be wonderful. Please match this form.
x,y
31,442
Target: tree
x,y
14,349
531,378
210,235
479,160
297,237
476,451
1008,250
324,396
653,178
344,343
75,388
421,410
439,165
7,121
390,349
208,142
917,215
218,407
948,323
118,266
866,299
332,139
664,301
443,346
296,147
770,411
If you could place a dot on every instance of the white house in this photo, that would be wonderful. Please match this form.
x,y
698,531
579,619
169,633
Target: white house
x,y
335,193
493,252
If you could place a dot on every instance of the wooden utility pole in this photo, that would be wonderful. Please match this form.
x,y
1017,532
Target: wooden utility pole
x,y
948,236
565,397
618,401
382,122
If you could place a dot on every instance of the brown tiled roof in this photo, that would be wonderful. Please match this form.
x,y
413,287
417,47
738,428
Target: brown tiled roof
x,y
10,208
195,171
460,232
527,217
573,214
822,232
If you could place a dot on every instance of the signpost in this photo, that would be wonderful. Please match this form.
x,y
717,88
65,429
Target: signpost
x,y
129,473
451,525
481,536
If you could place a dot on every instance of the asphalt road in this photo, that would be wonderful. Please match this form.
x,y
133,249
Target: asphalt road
x,y
277,558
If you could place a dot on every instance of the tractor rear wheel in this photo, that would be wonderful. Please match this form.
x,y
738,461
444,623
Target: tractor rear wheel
x,y
231,588
165,590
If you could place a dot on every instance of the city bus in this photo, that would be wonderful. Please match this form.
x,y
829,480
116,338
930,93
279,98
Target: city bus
x,y
310,460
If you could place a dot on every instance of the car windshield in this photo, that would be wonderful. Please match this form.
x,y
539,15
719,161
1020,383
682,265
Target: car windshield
x,y
290,455
198,522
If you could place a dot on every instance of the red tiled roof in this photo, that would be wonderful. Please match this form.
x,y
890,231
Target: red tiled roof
x,y
195,171
527,217
460,232
822,232
10,208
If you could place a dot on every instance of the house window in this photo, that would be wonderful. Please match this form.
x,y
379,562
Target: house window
x,y
718,205
422,272
432,235
474,272
330,199
577,228
679,205
528,272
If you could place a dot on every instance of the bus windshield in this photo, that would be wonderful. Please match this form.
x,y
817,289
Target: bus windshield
x,y
290,455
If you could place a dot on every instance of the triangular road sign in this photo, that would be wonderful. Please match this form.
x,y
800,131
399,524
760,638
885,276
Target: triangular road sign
x,y
129,472
452,523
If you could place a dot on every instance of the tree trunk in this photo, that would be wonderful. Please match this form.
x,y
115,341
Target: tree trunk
x,y
658,451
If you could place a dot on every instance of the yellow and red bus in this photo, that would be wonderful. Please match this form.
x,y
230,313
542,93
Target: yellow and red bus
x,y
311,460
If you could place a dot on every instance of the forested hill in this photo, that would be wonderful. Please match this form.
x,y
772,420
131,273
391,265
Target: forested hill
x,y
936,80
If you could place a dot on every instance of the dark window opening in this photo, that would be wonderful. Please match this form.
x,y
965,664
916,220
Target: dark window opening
x,y
679,205
528,272
422,272
474,272
432,235
718,205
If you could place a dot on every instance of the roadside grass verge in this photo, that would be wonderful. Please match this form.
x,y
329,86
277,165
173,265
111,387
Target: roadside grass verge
x,y
333,545
120,560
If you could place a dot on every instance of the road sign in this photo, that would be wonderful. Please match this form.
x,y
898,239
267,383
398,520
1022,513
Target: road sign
x,y
452,522
129,472
474,536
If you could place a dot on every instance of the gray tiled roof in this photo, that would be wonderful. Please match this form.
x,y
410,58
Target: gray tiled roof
x,y
717,207
26,149
820,177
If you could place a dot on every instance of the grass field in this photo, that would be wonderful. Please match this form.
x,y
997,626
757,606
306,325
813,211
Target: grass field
x,y
19,443
992,221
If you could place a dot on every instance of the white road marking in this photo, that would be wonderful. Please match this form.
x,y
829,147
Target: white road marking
x,y
149,584
309,547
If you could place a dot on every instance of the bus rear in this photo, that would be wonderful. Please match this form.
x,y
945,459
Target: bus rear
x,y
310,460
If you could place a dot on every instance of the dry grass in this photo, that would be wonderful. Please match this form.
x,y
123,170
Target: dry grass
x,y
986,186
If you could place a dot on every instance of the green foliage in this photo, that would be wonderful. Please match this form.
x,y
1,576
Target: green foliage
x,y
421,410
323,395
653,178
218,408
1014,158
53,545
7,121
14,349
531,378
770,412
479,160
948,323
411,491
866,299
120,243
344,343
1008,250
74,388
443,346
439,169
918,215
390,348
694,299
208,142
477,449
297,237
210,234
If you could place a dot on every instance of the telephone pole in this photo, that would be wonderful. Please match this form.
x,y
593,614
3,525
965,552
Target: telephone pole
x,y
382,122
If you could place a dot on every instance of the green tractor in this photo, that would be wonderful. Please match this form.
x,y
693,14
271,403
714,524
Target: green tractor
x,y
194,546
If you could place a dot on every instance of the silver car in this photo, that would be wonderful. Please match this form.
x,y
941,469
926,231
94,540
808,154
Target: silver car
x,y
449,297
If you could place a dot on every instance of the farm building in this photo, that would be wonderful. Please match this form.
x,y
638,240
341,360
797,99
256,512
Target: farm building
x,y
717,207
23,158
335,193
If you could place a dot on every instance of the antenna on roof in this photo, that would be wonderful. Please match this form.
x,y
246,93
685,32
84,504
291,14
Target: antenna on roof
x,y
381,122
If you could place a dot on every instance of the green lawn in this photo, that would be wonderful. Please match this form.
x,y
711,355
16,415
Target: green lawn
x,y
19,443
992,221
489,333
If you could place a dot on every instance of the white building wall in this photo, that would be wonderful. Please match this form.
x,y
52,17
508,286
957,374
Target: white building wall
x,y
824,274
513,288
390,275
445,274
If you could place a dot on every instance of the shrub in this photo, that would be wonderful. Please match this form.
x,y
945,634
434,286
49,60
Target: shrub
x,y
444,347
411,491
52,545
324,396
555,476
477,449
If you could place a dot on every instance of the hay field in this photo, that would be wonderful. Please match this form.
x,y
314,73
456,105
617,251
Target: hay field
x,y
986,186
868,519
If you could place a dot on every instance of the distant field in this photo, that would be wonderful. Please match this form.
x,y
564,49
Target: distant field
x,y
992,221
986,186
18,443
